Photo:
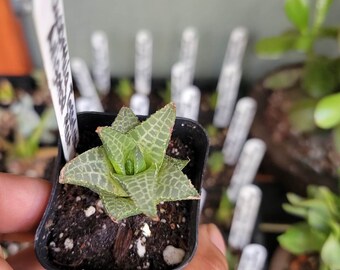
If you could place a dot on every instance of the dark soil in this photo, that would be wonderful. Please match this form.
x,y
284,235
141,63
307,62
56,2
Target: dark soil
x,y
77,241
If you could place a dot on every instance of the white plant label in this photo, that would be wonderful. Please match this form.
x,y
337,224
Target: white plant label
x,y
140,104
101,62
246,167
203,198
244,218
190,100
188,52
143,62
253,257
227,91
238,130
49,23
236,47
85,83
84,104
178,82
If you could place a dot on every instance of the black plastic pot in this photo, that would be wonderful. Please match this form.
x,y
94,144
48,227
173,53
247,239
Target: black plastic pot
x,y
189,132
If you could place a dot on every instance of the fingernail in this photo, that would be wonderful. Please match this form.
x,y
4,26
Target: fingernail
x,y
2,254
216,237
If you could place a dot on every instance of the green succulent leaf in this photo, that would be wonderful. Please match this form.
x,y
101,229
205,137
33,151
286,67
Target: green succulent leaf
x,y
321,10
327,112
274,47
297,12
91,169
301,239
330,252
301,115
283,79
295,210
131,171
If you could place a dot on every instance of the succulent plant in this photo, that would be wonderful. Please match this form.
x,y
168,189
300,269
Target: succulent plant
x,y
320,229
319,76
131,172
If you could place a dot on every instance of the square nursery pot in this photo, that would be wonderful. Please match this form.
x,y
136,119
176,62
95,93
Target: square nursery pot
x,y
75,233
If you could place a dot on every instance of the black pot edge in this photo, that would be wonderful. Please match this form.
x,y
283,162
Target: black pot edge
x,y
39,243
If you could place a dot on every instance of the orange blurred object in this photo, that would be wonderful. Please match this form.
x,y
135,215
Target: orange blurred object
x,y
14,56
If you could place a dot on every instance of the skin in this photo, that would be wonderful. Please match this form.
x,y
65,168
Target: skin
x,y
20,219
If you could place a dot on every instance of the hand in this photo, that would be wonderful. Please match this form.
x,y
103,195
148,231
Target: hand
x,y
22,204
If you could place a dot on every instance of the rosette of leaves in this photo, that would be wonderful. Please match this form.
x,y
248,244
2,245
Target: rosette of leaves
x,y
131,172
319,77
320,229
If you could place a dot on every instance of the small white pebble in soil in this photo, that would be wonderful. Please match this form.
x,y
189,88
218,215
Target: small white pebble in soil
x,y
146,230
146,265
78,199
52,244
61,235
162,210
99,204
172,255
183,219
89,211
163,220
177,204
141,248
56,249
59,206
68,243
104,226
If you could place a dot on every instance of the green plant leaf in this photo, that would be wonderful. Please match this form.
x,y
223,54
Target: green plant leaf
x,y
225,210
124,90
320,77
125,120
330,252
327,112
319,216
141,188
173,184
153,135
117,146
91,169
300,238
216,162
283,79
301,115
295,210
297,12
274,47
321,10
119,208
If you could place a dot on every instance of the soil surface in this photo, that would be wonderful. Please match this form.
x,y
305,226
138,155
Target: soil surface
x,y
82,236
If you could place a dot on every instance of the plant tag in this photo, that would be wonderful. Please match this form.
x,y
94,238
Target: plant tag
x,y
236,47
84,104
101,62
246,167
143,62
239,128
178,82
51,32
253,257
190,100
85,84
140,104
188,52
203,198
245,215
227,91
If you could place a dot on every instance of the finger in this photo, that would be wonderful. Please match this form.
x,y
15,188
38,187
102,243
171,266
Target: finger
x,y
22,202
17,237
24,260
3,264
210,250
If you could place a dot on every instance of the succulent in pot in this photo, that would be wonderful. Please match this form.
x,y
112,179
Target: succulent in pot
x,y
126,200
299,112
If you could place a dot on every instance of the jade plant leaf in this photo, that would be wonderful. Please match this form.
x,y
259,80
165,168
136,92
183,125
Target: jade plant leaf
x,y
321,10
301,115
301,239
297,12
283,79
327,112
131,171
330,252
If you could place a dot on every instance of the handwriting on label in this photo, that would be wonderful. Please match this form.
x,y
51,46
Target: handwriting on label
x,y
190,99
101,62
238,130
227,91
246,167
143,62
253,257
188,52
51,32
236,47
85,84
140,104
245,215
